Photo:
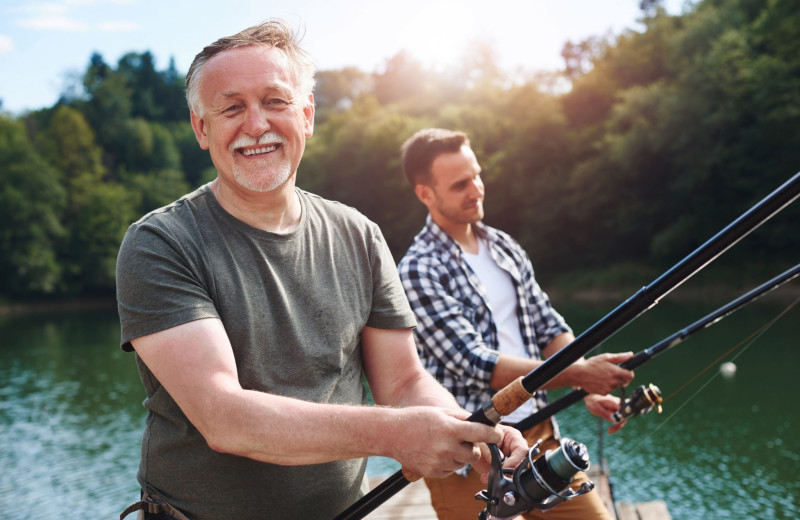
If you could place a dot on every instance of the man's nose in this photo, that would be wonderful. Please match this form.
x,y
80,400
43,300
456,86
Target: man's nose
x,y
477,188
257,121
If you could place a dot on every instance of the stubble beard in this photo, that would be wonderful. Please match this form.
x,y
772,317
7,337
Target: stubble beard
x,y
265,178
262,175
462,215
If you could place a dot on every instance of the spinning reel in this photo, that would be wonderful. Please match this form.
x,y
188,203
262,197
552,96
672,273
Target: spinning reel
x,y
642,400
534,484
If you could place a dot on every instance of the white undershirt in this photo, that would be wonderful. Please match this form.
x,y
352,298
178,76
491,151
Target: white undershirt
x,y
502,295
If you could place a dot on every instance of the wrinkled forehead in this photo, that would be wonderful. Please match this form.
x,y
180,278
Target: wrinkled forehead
x,y
245,68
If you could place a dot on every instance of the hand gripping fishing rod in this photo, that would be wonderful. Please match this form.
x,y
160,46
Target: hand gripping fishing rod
x,y
517,392
667,343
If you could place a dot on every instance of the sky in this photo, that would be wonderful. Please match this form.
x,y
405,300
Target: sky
x,y
45,45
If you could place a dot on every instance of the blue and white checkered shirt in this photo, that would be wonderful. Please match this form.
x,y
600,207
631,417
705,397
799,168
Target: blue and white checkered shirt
x,y
456,335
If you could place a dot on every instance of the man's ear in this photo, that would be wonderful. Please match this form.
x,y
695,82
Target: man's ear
x,y
308,116
200,131
424,193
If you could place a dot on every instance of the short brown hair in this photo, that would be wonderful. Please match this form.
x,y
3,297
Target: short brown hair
x,y
421,149
272,33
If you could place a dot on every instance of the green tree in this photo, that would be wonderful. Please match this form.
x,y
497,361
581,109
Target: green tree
x,y
195,162
97,230
155,96
108,105
146,145
31,201
96,213
152,189
355,158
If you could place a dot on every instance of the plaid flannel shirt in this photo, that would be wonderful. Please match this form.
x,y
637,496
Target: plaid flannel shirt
x,y
456,335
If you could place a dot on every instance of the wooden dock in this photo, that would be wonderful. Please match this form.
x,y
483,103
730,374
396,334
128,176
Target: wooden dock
x,y
653,510
414,503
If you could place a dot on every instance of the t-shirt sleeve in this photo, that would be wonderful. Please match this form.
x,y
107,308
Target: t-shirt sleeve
x,y
158,284
390,308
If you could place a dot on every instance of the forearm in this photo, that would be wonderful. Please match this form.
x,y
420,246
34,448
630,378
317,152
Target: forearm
x,y
510,368
287,431
598,374
423,390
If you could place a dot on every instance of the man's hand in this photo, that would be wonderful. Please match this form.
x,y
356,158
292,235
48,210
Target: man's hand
x,y
434,442
604,406
600,374
514,447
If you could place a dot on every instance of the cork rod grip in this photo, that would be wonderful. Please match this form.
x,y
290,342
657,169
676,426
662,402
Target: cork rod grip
x,y
510,397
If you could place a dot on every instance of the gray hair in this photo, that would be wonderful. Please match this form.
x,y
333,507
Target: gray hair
x,y
272,33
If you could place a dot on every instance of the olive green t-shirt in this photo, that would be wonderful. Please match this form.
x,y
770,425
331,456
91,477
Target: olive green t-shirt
x,y
293,306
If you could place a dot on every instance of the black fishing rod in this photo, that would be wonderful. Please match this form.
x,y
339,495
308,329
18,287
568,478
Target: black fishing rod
x,y
513,395
662,346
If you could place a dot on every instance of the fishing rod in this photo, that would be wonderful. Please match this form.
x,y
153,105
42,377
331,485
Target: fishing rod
x,y
662,346
513,395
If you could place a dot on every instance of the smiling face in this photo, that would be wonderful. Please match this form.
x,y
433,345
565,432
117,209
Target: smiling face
x,y
454,196
255,121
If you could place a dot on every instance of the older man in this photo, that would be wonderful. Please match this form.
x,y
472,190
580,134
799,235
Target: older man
x,y
255,308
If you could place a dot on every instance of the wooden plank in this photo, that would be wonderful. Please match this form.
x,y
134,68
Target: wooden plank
x,y
411,503
654,510
414,503
626,511
602,487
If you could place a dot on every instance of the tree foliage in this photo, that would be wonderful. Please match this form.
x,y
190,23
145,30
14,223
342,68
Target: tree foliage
x,y
31,202
664,135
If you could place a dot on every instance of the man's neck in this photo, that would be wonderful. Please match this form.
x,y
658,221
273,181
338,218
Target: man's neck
x,y
276,211
463,234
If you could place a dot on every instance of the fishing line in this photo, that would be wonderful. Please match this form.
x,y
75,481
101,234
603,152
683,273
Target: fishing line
x,y
744,345
749,340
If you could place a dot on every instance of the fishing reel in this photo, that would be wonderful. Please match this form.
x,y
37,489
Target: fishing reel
x,y
642,400
534,484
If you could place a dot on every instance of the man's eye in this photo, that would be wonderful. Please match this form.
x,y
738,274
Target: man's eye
x,y
277,104
231,109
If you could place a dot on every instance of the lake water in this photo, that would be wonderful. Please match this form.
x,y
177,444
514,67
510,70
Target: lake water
x,y
71,416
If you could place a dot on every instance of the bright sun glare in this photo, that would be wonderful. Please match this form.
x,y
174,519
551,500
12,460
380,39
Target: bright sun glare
x,y
437,35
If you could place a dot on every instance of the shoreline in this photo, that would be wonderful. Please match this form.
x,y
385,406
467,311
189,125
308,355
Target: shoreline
x,y
705,294
83,303
589,295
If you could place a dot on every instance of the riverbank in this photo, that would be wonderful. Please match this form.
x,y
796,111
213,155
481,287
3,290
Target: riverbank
x,y
612,284
60,305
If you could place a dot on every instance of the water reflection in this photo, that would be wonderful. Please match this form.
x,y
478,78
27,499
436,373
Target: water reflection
x,y
70,417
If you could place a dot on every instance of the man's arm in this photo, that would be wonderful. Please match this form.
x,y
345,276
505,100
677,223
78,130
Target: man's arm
x,y
600,373
397,378
597,375
203,380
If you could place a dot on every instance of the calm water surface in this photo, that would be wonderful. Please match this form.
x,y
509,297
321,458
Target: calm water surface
x,y
71,417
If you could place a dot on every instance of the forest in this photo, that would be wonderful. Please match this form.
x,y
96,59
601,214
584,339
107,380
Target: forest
x,y
642,147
